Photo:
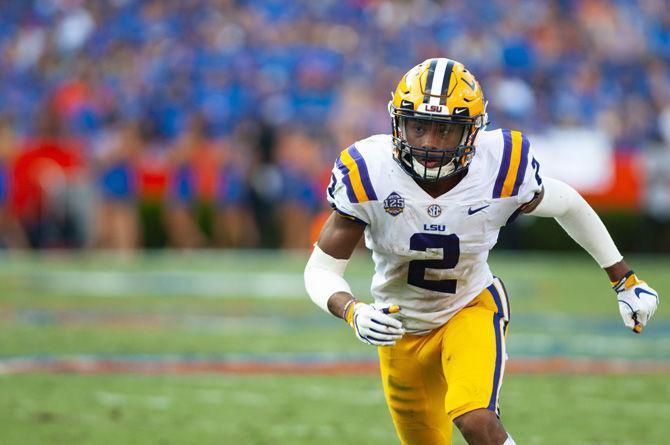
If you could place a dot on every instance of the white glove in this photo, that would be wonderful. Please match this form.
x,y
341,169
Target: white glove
x,y
373,325
637,301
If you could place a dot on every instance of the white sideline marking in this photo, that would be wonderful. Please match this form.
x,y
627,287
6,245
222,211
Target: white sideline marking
x,y
114,399
111,398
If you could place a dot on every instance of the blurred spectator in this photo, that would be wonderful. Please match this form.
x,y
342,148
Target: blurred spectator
x,y
117,220
50,186
265,185
302,169
234,222
12,234
182,198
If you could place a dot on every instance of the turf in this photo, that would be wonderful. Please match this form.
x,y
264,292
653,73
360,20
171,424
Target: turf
x,y
560,305
54,305
42,409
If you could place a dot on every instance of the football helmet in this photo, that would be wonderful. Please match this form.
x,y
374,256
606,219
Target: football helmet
x,y
436,111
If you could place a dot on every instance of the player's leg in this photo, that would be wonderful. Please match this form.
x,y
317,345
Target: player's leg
x,y
473,360
414,388
482,427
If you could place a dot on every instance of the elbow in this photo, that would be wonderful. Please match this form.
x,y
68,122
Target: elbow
x,y
558,201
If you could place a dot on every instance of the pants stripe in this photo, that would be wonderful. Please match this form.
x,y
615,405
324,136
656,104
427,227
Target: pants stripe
x,y
504,299
500,328
497,376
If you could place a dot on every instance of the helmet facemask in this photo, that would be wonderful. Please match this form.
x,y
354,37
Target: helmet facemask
x,y
431,148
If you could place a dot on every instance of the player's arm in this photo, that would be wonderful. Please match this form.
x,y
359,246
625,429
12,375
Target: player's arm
x,y
326,286
637,301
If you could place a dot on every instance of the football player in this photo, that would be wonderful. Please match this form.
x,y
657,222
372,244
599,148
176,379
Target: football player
x,y
430,200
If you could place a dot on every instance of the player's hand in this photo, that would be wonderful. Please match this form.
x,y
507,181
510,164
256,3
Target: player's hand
x,y
373,325
637,302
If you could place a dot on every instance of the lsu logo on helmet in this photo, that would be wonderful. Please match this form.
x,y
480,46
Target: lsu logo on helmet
x,y
438,95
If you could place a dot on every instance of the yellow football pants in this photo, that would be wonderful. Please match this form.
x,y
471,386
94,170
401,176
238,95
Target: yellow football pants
x,y
429,380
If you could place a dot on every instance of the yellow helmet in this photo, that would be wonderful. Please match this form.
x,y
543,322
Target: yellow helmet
x,y
443,93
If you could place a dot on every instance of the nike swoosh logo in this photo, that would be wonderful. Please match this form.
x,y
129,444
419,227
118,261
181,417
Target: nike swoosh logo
x,y
639,291
472,211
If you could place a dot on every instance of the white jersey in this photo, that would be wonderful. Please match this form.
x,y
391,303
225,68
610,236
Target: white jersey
x,y
431,254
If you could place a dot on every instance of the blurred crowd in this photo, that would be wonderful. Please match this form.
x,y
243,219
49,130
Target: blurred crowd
x,y
233,111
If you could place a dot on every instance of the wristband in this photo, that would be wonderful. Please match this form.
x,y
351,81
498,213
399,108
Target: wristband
x,y
348,312
620,285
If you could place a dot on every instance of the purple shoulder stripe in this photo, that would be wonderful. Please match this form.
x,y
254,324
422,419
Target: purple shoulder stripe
x,y
523,163
504,165
363,170
345,180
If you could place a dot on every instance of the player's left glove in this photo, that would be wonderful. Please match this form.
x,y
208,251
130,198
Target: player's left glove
x,y
372,323
637,301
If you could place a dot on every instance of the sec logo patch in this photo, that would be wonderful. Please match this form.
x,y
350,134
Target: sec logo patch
x,y
434,210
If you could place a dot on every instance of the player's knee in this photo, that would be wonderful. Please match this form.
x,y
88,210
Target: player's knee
x,y
481,426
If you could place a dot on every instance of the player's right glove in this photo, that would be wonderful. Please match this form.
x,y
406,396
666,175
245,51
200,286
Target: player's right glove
x,y
637,301
372,324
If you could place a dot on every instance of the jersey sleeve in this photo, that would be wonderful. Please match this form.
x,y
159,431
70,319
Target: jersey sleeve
x,y
351,187
519,173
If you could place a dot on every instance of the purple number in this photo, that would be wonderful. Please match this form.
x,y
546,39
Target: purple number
x,y
450,254
536,167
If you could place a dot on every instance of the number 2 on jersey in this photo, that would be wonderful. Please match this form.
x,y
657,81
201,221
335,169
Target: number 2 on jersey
x,y
450,254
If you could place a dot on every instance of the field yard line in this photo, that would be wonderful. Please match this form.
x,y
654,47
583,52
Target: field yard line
x,y
157,401
209,284
109,398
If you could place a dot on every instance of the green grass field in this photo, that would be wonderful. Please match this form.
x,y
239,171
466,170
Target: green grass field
x,y
251,304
